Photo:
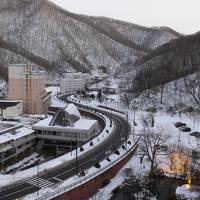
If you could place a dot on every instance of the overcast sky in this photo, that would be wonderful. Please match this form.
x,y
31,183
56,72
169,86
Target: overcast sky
x,y
181,15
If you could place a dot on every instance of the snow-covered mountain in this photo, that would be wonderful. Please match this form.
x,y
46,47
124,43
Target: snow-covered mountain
x,y
171,61
45,34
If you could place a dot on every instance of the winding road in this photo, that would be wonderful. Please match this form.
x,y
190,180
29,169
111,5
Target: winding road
x,y
88,159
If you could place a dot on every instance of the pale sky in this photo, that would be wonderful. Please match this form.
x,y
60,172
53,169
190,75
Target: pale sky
x,y
181,15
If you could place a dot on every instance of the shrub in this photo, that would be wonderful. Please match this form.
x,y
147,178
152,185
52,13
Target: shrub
x,y
117,152
108,159
91,143
97,165
129,142
151,109
81,148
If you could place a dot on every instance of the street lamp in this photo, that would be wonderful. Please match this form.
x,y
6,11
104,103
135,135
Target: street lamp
x,y
38,162
76,156
134,109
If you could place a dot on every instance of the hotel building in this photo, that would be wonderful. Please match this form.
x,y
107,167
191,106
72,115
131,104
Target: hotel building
x,y
29,86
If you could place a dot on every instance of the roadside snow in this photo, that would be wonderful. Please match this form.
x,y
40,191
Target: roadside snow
x,y
24,163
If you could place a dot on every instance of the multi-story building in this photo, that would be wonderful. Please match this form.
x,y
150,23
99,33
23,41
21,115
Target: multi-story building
x,y
15,142
73,82
29,86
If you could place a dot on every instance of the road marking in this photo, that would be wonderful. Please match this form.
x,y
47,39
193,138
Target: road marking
x,y
57,179
39,182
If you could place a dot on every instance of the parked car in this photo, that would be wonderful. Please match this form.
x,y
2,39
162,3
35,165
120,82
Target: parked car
x,y
179,124
163,147
195,134
184,129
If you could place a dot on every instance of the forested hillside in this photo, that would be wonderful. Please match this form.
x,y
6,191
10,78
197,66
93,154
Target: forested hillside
x,y
169,62
44,34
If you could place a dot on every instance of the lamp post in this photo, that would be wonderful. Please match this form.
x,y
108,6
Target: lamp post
x,y
134,109
38,162
126,137
76,156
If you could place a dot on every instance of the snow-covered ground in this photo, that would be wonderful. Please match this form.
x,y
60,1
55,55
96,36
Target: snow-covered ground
x,y
138,169
184,193
164,123
33,158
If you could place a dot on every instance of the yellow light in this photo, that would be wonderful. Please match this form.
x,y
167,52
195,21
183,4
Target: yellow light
x,y
189,180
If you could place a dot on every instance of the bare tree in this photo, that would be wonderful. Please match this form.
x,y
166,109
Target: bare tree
x,y
150,145
192,85
128,98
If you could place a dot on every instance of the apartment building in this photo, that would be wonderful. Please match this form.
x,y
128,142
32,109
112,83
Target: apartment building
x,y
29,86
16,141
73,82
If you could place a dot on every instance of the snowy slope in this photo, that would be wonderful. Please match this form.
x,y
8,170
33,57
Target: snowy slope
x,y
62,39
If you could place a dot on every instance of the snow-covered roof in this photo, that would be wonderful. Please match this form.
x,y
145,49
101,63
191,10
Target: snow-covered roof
x,y
84,123
72,120
73,112
81,124
7,103
13,133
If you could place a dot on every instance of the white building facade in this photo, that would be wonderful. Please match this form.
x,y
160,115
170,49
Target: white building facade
x,y
15,141
73,82
67,125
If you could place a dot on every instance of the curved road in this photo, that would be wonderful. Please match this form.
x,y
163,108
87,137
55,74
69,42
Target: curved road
x,y
98,153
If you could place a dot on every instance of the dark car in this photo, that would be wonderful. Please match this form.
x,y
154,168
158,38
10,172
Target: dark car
x,y
184,129
179,124
195,134
163,147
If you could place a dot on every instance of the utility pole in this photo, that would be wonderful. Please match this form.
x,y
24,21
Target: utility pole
x,y
38,162
76,156
134,115
126,129
71,145
134,111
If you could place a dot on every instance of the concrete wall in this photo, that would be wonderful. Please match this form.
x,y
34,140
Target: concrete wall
x,y
88,189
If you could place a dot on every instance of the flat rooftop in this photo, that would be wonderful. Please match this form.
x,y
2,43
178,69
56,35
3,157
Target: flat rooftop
x,y
4,126
13,131
7,103
81,124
